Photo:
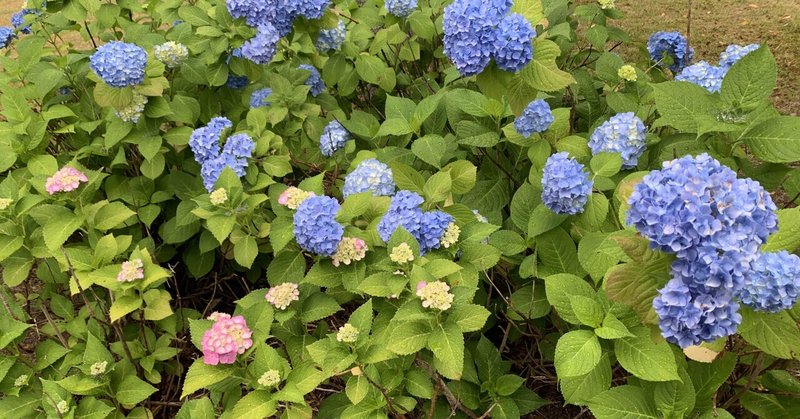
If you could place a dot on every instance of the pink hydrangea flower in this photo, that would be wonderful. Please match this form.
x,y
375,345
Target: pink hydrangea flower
x,y
217,316
65,180
131,271
292,197
350,249
226,338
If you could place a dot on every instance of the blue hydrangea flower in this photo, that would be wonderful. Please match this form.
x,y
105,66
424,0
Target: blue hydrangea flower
x,y
331,39
469,32
204,141
431,229
401,8
237,82
314,80
259,97
695,201
623,133
734,53
119,64
565,185
772,283
370,176
238,148
404,211
261,48
673,45
704,75
706,270
18,19
333,137
315,227
513,46
309,9
536,117
6,35
255,12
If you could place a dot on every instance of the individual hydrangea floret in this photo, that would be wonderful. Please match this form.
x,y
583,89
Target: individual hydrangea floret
x,y
237,82
292,197
271,378
261,48
21,380
119,64
469,32
6,35
131,270
217,316
670,46
133,112
513,46
566,187
347,333
281,296
204,141
225,339
5,203
98,368
333,138
404,211
627,72
171,53
734,53
350,249
65,180
314,80
315,227
623,133
258,99
704,75
435,295
450,236
331,39
536,117
432,229
402,253
606,4
370,176
401,8
772,283
218,197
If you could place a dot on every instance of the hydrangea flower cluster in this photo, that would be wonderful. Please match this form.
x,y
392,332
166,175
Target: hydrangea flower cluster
x,y
734,53
261,48
627,72
536,117
350,249
133,112
315,227
257,12
218,197
65,180
450,236
477,30
606,4
369,176
225,339
217,316
281,296
309,9
6,35
333,138
772,283
566,187
62,407
204,143
672,45
270,378
331,39
21,380
347,333
314,80
435,295
259,98
402,253
292,197
5,203
623,133
237,82
171,53
428,228
98,368
704,75
131,270
401,8
18,19
119,64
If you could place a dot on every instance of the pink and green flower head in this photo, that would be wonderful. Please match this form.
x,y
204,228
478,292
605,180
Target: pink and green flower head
x,y
65,180
281,296
227,338
131,271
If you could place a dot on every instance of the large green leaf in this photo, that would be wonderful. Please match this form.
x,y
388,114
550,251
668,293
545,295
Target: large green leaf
x,y
775,140
623,402
447,344
577,353
776,334
646,359
751,80
201,375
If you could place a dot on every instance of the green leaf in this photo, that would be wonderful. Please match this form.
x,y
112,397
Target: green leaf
x,y
681,104
606,164
258,403
289,266
636,284
245,251
708,377
579,390
9,245
419,384
469,317
408,337
751,80
788,235
543,220
557,251
357,388
675,399
438,187
201,375
124,305
529,301
646,359
776,334
612,328
587,310
407,178
577,353
560,287
56,232
196,409
463,175
623,402
318,306
543,73
430,149
507,384
531,9
447,344
775,140
11,329
112,216
132,390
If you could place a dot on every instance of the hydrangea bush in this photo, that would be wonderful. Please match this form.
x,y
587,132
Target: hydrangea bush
x,y
448,208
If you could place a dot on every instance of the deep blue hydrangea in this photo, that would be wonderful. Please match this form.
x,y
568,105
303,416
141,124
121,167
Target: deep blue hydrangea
x,y
6,35
333,137
259,97
513,46
734,53
694,202
309,9
237,82
204,141
431,229
688,319
565,185
315,227
623,133
370,176
261,48
673,45
469,32
331,39
314,79
404,211
536,117
704,75
119,64
18,19
255,12
401,8
772,283
238,148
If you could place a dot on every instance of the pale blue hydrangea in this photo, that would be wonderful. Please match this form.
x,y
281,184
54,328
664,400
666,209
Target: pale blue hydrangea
x,y
401,8
237,82
204,141
623,133
431,228
18,19
404,211
665,46
6,35
331,39
314,80
309,9
333,138
258,98
469,32
706,270
370,176
255,12
513,46
734,53
315,227
119,64
238,149
566,186
772,283
704,75
261,48
536,117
